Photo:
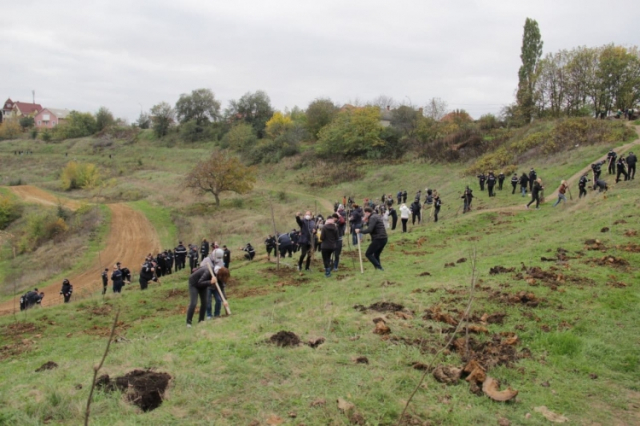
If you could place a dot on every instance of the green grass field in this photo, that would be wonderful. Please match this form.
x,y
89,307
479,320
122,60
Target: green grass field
x,y
576,352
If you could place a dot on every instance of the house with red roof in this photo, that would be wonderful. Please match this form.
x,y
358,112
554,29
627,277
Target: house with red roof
x,y
5,112
23,109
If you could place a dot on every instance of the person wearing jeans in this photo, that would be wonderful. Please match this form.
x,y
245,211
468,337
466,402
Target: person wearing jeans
x,y
222,276
329,237
375,227
561,193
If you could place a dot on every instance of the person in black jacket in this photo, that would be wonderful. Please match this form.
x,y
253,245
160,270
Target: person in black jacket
x,y
437,203
491,183
394,218
355,222
524,182
582,185
621,169
611,160
30,299
199,282
514,182
193,257
600,185
467,196
500,180
181,256
204,248
404,196
105,280
415,212
535,193
481,179
226,257
250,252
341,224
375,227
532,178
126,273
66,290
307,230
146,274
285,245
329,237
116,279
270,245
631,163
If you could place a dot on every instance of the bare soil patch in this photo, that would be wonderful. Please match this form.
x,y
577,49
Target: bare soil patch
x,y
284,339
144,388
49,365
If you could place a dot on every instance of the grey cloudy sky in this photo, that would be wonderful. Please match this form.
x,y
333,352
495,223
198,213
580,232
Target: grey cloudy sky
x,y
127,54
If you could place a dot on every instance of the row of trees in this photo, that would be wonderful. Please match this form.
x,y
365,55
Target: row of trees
x,y
579,82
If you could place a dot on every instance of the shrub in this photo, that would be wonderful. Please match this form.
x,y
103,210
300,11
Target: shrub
x,y
41,227
79,175
10,210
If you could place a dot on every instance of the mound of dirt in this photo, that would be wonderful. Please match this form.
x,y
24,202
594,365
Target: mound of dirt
x,y
605,229
284,339
447,374
631,248
49,365
386,307
616,262
362,360
145,388
500,350
522,297
500,270
435,314
595,245
425,274
314,343
631,233
461,260
449,265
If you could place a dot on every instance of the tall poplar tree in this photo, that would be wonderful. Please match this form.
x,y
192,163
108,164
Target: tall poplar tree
x,y
530,54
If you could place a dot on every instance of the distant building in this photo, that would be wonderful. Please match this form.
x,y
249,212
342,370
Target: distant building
x,y
23,109
6,110
49,118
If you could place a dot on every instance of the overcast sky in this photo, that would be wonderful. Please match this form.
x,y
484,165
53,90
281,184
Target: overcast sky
x,y
128,55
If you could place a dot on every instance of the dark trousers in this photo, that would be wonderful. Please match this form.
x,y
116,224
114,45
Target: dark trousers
x,y
413,218
286,249
435,214
144,283
632,171
583,191
481,185
394,222
306,251
212,294
622,171
404,224
117,286
336,255
326,258
612,167
500,182
194,293
536,198
67,297
491,193
514,187
399,200
104,288
374,251
180,262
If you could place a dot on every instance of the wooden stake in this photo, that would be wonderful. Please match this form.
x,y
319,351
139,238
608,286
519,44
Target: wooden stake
x,y
360,254
275,235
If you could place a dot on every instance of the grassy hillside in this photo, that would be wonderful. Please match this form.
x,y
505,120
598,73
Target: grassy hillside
x,y
576,350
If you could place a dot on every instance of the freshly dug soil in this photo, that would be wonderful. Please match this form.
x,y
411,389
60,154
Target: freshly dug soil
x,y
284,339
386,307
49,365
145,388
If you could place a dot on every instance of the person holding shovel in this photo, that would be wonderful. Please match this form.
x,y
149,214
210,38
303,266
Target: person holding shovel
x,y
222,274
561,192
379,239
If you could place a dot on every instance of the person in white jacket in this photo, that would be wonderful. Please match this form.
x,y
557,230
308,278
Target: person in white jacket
x,y
385,219
404,215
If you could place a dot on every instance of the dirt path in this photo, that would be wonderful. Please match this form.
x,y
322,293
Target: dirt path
x,y
131,237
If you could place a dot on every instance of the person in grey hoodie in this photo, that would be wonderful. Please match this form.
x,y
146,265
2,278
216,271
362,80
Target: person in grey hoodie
x,y
375,227
329,237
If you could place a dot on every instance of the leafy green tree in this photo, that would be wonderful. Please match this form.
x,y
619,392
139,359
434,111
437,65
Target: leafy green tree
x,y
162,116
104,119
27,122
531,52
10,210
200,106
252,108
352,133
320,112
240,138
76,125
221,172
